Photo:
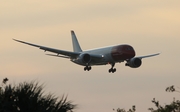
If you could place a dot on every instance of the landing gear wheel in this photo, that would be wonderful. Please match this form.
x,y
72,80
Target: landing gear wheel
x,y
112,70
87,68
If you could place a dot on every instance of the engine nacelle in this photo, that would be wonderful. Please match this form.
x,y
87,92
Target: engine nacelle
x,y
84,58
134,63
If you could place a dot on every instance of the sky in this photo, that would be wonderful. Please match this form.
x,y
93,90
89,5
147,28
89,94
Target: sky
x,y
149,26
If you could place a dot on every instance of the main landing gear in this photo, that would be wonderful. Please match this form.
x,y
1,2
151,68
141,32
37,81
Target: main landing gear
x,y
112,69
87,68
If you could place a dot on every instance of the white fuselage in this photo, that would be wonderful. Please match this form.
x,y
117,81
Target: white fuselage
x,y
106,54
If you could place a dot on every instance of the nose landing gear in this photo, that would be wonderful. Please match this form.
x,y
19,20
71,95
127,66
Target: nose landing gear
x,y
112,69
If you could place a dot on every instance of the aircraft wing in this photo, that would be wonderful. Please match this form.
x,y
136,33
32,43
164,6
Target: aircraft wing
x,y
67,54
148,56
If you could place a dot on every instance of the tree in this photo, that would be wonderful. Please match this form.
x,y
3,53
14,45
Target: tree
x,y
123,110
174,106
29,97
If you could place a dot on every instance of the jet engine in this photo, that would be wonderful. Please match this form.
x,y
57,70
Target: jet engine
x,y
84,58
134,62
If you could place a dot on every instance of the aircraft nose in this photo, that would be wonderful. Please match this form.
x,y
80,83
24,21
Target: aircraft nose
x,y
131,53
122,52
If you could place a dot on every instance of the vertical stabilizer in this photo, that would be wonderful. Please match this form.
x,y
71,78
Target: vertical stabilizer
x,y
76,46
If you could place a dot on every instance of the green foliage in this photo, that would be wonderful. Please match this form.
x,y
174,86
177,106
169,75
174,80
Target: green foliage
x,y
174,106
28,97
123,110
3,82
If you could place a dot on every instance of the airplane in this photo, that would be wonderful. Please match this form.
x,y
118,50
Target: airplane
x,y
99,56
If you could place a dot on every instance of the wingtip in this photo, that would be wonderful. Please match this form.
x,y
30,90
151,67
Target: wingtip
x,y
16,40
13,39
157,54
72,31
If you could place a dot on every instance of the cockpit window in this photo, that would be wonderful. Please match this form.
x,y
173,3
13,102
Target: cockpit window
x,y
129,48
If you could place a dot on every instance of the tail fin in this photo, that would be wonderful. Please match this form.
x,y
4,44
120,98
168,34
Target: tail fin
x,y
76,46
